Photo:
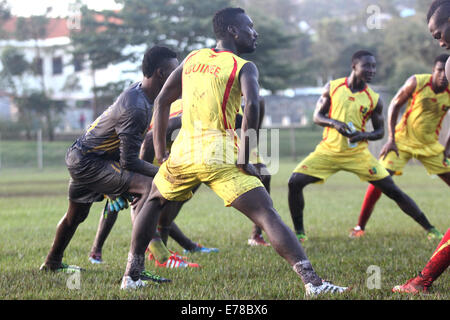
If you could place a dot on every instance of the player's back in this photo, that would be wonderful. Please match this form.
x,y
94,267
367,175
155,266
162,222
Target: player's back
x,y
211,97
130,115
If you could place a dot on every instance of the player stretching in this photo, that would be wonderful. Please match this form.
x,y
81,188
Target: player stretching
x,y
344,109
105,159
158,249
205,150
439,25
428,100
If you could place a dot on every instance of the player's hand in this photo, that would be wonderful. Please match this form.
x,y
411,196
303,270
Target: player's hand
x,y
388,147
114,205
249,169
342,128
357,136
162,158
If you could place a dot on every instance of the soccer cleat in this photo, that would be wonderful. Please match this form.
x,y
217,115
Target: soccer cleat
x,y
258,240
148,276
175,261
202,249
434,233
129,284
301,237
356,232
95,258
414,285
63,268
325,287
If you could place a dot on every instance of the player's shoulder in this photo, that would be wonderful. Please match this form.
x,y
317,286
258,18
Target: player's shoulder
x,y
422,80
133,98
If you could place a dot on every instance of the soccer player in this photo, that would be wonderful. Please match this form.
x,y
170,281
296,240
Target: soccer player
x,y
105,159
416,136
438,18
205,150
158,250
344,108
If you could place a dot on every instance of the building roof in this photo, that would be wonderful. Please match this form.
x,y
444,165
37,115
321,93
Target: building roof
x,y
57,27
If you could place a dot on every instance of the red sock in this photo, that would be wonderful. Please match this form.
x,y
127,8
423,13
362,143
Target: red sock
x,y
439,261
370,199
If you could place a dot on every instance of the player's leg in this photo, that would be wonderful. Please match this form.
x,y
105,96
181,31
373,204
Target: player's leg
x,y
257,205
76,214
394,164
405,203
143,231
438,263
297,182
104,228
139,186
257,238
371,197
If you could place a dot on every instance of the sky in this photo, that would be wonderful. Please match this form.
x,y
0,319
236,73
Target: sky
x,y
59,7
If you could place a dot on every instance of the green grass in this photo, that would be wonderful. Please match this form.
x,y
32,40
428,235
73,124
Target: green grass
x,y
32,203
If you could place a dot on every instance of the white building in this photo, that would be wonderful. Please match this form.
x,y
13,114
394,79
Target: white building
x,y
62,73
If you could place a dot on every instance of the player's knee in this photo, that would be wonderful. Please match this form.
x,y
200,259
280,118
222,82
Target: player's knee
x,y
296,182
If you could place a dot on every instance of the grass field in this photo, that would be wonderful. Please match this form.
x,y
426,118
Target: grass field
x,y
32,202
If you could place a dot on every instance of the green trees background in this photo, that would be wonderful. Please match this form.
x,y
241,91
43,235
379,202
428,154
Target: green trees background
x,y
301,42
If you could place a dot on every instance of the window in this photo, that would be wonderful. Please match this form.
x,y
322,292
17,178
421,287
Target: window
x,y
57,65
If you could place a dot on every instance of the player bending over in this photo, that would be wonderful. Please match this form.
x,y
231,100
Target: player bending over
x,y
105,159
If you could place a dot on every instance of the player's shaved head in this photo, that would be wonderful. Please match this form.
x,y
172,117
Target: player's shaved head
x,y
154,58
224,18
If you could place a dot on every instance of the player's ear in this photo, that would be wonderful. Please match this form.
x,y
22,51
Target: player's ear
x,y
233,31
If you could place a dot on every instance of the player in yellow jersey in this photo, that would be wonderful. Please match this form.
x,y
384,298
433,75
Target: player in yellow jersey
x,y
416,135
211,82
438,18
345,107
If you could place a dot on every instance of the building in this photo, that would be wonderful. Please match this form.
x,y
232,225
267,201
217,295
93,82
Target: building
x,y
63,76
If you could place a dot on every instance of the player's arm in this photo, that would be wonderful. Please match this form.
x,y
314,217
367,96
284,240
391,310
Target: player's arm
x,y
399,100
377,119
170,92
131,124
321,113
447,147
248,78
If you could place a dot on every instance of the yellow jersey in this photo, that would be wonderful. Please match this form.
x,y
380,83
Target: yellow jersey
x,y
211,98
347,106
418,130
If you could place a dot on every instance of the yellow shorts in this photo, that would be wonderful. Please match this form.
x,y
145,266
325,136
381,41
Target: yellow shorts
x,y
175,182
323,163
436,164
